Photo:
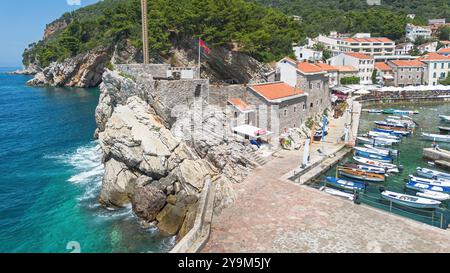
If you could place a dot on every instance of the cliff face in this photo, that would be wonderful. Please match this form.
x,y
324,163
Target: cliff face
x,y
83,70
153,161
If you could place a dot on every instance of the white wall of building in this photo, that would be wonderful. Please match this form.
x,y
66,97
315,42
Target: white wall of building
x,y
288,72
436,71
303,53
413,32
365,66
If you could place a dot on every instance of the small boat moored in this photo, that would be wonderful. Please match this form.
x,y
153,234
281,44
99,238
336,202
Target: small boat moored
x,y
422,187
434,195
392,168
360,175
345,184
444,130
438,182
410,201
444,118
365,168
381,158
335,192
431,174
391,152
373,141
436,137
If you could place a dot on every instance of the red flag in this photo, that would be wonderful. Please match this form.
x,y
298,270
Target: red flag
x,y
202,44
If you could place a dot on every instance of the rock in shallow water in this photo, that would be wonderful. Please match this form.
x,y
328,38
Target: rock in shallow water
x,y
147,202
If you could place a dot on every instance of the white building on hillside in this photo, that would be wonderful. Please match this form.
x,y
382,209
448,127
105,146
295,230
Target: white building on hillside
x,y
437,68
364,64
303,53
413,32
427,47
380,46
404,48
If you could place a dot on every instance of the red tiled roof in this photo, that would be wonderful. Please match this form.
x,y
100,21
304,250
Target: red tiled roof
x,y
369,40
444,50
434,57
276,90
326,67
382,66
306,67
238,103
407,63
359,55
346,68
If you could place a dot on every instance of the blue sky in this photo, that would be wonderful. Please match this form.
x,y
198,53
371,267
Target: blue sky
x,y
23,22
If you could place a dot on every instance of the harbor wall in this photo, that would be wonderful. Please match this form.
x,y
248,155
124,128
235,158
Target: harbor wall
x,y
376,97
439,154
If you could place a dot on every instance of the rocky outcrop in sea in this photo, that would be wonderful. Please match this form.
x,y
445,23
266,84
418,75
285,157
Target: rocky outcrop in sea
x,y
153,162
83,70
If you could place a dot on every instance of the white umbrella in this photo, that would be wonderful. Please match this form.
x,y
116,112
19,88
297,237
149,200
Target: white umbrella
x,y
362,92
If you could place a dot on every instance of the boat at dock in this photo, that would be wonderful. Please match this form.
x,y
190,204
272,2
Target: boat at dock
x,y
375,163
438,182
444,118
422,187
360,175
440,196
345,184
375,111
391,124
444,130
372,151
373,141
365,168
339,193
391,152
432,174
436,137
392,132
381,158
399,112
410,201
408,123
375,134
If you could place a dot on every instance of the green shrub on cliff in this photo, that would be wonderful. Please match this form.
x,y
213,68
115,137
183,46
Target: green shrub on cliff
x,y
262,32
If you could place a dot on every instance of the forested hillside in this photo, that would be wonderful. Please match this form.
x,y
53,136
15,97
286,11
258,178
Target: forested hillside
x,y
387,19
264,33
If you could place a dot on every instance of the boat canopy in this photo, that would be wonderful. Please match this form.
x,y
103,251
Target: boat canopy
x,y
251,131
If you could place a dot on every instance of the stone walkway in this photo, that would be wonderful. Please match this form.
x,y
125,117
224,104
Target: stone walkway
x,y
272,215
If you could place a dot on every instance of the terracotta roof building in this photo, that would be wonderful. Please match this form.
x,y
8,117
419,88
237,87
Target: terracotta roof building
x,y
286,105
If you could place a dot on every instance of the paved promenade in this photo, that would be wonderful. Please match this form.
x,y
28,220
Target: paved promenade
x,y
274,215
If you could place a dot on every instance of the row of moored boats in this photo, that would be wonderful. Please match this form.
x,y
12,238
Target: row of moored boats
x,y
374,160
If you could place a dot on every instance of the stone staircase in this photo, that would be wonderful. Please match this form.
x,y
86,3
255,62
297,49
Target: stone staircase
x,y
258,159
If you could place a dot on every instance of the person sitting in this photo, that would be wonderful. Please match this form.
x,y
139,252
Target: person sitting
x,y
254,142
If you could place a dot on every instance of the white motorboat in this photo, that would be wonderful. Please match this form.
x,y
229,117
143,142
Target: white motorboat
x,y
440,196
409,200
436,137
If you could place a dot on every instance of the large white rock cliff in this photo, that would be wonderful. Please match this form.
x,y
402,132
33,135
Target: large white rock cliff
x,y
147,161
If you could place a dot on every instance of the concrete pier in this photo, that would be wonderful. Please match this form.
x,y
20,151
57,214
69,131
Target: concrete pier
x,y
436,154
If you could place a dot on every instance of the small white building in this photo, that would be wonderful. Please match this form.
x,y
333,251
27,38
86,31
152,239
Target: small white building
x,y
303,53
364,64
404,48
437,68
413,32
427,47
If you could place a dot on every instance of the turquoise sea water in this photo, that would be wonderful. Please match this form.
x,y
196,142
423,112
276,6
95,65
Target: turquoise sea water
x,y
50,176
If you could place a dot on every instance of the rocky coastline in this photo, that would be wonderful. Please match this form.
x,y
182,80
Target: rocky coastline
x,y
152,162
